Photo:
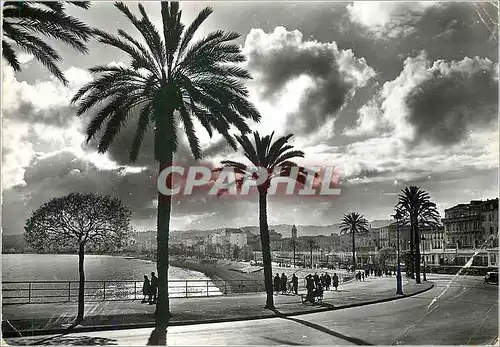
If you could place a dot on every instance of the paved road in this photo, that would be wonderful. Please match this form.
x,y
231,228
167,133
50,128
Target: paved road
x,y
465,313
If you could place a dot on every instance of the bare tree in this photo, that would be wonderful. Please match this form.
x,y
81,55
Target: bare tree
x,y
78,223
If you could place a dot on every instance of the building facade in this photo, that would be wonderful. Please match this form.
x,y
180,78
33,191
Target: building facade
x,y
472,229
472,225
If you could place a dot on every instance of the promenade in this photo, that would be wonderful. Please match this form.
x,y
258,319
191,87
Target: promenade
x,y
28,319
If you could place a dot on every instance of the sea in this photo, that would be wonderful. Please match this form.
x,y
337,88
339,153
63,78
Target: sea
x,y
64,268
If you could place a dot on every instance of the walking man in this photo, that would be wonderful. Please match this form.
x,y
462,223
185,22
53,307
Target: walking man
x,y
310,287
146,289
335,281
284,281
317,281
277,283
295,284
154,289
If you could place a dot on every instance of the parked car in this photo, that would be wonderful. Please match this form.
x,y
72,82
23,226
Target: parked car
x,y
491,277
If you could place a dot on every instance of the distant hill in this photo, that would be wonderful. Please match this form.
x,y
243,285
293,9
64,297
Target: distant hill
x,y
284,229
380,223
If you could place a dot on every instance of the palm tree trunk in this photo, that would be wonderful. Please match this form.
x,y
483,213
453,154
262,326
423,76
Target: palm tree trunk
x,y
353,251
266,250
412,249
81,286
162,314
163,225
311,257
163,151
417,252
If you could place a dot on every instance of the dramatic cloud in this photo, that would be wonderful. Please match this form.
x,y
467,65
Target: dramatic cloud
x,y
37,119
388,20
440,102
427,120
62,173
329,76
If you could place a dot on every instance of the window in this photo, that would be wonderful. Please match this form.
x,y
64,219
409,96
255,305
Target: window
x,y
491,230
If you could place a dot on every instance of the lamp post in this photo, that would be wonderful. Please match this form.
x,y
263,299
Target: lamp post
x,y
399,284
423,253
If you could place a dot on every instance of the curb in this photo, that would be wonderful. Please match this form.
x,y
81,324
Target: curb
x,y
215,320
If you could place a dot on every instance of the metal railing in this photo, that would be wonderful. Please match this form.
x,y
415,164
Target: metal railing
x,y
21,292
45,292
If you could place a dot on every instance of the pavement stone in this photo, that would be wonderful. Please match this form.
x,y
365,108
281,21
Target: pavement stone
x,y
53,318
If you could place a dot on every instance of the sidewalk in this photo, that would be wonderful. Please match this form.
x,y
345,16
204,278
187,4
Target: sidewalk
x,y
31,319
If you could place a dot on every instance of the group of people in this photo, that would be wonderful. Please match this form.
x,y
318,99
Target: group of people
x,y
281,283
316,284
325,281
361,274
150,289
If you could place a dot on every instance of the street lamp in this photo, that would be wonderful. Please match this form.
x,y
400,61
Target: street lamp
x,y
423,253
399,284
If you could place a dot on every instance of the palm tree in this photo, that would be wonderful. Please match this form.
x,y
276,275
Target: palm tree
x,y
23,20
275,158
170,80
418,211
353,223
311,244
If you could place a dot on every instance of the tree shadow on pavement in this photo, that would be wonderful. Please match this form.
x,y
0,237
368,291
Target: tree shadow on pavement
x,y
353,340
284,342
78,341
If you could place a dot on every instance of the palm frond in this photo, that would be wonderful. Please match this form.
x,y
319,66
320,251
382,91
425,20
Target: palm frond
x,y
142,126
191,30
193,140
38,48
10,56
287,156
153,38
81,4
23,20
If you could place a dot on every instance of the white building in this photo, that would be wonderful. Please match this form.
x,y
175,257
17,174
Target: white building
x,y
238,238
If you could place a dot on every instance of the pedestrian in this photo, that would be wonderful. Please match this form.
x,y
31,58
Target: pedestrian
x,y
154,289
277,283
328,281
295,284
146,289
335,281
317,281
363,276
310,288
284,281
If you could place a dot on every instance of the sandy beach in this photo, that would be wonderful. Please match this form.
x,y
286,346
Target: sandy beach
x,y
227,270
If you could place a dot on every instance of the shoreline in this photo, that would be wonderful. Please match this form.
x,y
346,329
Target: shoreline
x,y
218,271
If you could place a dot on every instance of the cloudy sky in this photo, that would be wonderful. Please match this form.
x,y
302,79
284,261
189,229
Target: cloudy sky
x,y
392,94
